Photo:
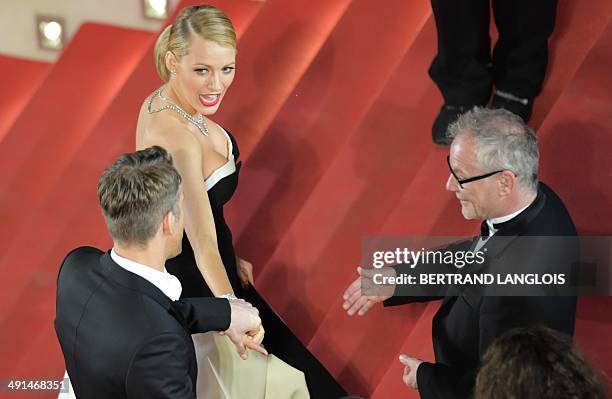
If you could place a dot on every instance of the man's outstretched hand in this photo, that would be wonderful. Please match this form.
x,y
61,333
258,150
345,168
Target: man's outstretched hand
x,y
363,293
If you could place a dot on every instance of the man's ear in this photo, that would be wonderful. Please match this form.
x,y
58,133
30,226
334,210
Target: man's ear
x,y
507,181
168,223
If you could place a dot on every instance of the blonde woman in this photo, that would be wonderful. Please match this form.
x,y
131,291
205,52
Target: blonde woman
x,y
196,58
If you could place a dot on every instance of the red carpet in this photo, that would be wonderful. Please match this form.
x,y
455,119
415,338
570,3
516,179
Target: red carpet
x,y
22,78
332,109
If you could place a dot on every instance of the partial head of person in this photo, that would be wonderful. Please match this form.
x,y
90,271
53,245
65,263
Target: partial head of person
x,y
141,200
535,363
196,56
493,163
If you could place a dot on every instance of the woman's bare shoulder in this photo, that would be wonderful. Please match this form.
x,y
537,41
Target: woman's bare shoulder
x,y
170,134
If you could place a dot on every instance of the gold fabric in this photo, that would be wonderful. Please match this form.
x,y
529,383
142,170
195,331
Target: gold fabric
x,y
222,374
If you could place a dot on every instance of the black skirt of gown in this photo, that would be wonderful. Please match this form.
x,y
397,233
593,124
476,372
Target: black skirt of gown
x,y
279,340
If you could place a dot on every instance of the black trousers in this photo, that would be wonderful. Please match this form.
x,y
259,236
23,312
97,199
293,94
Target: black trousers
x,y
464,68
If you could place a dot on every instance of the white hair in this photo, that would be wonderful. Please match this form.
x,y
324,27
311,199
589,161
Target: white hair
x,y
503,142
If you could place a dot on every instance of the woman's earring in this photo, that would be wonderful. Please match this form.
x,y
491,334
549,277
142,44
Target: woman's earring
x,y
173,71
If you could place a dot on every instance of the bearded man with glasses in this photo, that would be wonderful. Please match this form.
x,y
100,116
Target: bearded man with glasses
x,y
493,164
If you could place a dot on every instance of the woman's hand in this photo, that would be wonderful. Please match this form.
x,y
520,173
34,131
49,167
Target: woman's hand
x,y
245,329
245,272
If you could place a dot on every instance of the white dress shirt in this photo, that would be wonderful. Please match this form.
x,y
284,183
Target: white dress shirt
x,y
166,282
492,230
502,219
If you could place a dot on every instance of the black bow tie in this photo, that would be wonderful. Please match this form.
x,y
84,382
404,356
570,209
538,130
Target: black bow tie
x,y
484,226
484,229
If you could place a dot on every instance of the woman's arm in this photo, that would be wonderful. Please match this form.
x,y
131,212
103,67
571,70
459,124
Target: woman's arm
x,y
199,223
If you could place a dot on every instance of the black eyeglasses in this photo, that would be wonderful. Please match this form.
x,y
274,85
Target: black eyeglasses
x,y
469,179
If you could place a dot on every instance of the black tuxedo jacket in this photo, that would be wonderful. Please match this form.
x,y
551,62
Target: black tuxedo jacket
x,y
466,324
122,337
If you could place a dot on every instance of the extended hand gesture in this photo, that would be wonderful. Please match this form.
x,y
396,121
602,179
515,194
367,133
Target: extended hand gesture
x,y
363,293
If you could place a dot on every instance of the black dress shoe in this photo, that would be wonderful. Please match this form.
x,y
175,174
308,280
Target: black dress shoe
x,y
448,114
522,107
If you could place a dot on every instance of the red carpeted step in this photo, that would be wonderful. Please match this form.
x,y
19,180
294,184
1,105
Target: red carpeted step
x,y
358,350
592,335
589,329
34,153
273,55
316,260
575,141
586,87
416,344
386,179
353,198
69,216
579,25
322,234
404,220
426,208
60,114
21,79
567,53
323,110
440,222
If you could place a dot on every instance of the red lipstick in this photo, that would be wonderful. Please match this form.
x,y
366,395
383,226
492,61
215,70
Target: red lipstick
x,y
209,100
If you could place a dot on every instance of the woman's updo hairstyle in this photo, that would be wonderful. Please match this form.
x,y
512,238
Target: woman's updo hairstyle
x,y
206,21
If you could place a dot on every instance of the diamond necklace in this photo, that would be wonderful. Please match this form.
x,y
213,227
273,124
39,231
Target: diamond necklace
x,y
198,122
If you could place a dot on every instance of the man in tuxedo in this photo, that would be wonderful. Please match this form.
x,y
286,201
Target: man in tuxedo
x,y
493,166
123,331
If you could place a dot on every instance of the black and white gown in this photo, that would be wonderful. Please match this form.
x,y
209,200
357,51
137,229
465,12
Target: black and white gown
x,y
280,342
221,372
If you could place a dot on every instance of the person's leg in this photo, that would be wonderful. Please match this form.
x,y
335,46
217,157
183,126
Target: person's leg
x,y
520,57
461,68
